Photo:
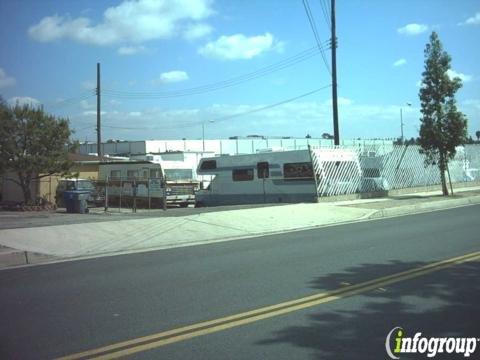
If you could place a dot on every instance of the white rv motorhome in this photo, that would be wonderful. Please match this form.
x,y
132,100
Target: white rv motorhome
x,y
279,176
268,177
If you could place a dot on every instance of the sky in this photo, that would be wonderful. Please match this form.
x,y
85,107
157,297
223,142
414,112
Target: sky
x,y
173,69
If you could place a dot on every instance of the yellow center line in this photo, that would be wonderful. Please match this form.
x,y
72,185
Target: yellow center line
x,y
149,342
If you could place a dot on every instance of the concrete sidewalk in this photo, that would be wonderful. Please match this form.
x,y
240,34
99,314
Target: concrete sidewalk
x,y
47,243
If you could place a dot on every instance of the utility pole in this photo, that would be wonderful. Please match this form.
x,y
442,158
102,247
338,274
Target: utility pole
x,y
99,130
336,134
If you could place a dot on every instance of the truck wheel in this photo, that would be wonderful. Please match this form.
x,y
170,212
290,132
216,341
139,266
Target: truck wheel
x,y
183,205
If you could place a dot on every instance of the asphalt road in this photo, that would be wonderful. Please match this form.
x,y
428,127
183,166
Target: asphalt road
x,y
60,309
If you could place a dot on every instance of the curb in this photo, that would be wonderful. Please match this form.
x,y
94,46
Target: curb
x,y
424,207
13,258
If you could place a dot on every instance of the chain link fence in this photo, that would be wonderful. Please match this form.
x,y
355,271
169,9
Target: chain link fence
x,y
129,193
373,168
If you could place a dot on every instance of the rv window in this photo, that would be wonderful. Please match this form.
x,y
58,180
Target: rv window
x,y
242,174
298,171
263,170
132,173
371,172
155,173
115,173
209,165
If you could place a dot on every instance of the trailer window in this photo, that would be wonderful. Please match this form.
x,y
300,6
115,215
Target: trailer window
x,y
242,174
209,165
115,173
371,172
155,173
263,170
132,173
298,171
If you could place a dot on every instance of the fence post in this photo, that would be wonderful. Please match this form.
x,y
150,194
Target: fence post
x,y
134,190
148,188
121,193
106,193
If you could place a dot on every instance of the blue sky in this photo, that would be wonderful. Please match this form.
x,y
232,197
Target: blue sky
x,y
239,56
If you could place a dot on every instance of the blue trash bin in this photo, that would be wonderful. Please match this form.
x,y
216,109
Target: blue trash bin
x,y
81,197
76,201
69,200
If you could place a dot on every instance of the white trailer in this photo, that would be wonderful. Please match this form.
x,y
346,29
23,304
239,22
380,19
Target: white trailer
x,y
276,177
150,175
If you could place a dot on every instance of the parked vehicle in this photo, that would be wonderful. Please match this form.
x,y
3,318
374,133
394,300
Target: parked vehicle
x,y
267,177
279,176
96,198
151,181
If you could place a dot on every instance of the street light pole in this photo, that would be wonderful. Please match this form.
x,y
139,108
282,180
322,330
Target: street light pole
x,y
203,133
401,124
401,121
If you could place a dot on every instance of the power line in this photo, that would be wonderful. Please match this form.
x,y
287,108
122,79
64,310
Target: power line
x,y
69,101
272,105
293,60
85,128
313,26
224,118
326,11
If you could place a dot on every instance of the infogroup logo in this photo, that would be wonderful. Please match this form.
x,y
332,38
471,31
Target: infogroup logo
x,y
397,343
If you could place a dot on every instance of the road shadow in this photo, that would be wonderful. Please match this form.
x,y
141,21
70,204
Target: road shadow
x,y
443,303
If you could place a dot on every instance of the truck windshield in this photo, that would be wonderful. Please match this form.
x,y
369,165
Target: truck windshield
x,y
178,174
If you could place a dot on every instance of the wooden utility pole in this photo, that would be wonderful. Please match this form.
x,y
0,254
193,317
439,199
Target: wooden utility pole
x,y
336,134
99,129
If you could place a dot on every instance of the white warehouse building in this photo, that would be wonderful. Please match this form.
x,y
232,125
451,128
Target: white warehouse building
x,y
232,146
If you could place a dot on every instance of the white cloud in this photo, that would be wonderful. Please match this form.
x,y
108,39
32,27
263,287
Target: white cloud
x,y
23,100
131,22
290,119
131,50
474,20
6,80
340,101
172,77
89,84
93,113
239,46
399,62
453,74
197,31
135,113
114,102
84,104
412,29
472,102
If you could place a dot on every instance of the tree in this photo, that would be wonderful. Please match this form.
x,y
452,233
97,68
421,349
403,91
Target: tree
x,y
327,136
477,134
443,127
33,144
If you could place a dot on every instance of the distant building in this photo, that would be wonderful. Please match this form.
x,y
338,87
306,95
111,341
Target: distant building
x,y
238,145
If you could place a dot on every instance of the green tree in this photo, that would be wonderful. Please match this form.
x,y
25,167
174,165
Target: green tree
x,y
33,145
477,134
443,127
